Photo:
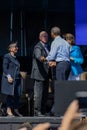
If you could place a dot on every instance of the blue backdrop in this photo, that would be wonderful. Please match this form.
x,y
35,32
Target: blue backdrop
x,y
81,22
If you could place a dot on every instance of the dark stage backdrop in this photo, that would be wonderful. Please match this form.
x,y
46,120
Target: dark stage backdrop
x,y
23,20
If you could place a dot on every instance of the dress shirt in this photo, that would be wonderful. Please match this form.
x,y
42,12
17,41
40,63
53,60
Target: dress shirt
x,y
45,47
60,50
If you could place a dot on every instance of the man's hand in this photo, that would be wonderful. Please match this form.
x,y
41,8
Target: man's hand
x,y
23,74
52,63
42,59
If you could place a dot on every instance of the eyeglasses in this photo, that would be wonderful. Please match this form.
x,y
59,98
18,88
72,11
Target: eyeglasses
x,y
45,36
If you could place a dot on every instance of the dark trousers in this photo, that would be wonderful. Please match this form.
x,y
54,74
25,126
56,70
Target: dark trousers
x,y
62,70
12,100
62,73
15,98
40,95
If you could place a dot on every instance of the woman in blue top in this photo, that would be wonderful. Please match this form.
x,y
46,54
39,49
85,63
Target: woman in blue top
x,y
76,58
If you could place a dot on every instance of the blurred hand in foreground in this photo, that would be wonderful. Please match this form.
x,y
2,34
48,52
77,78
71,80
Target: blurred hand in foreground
x,y
42,126
71,113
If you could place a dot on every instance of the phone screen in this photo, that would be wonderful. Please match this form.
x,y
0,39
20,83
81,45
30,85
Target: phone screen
x,y
82,98
82,102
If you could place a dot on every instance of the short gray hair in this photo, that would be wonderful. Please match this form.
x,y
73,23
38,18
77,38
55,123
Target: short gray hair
x,y
56,31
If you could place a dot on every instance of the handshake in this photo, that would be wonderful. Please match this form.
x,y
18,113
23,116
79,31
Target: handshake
x,y
50,63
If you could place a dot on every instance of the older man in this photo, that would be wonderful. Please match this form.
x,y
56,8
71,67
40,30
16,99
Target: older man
x,y
40,74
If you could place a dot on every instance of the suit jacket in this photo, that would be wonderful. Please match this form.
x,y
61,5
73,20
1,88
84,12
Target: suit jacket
x,y
10,66
39,69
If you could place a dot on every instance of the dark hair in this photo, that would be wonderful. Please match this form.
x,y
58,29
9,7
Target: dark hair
x,y
56,31
12,43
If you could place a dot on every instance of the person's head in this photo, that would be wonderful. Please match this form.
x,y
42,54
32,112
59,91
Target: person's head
x,y
12,47
43,36
55,31
69,38
25,126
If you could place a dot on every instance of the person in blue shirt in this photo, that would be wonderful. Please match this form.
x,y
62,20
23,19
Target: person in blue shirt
x,y
76,58
60,53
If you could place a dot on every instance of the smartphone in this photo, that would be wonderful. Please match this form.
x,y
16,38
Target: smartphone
x,y
81,96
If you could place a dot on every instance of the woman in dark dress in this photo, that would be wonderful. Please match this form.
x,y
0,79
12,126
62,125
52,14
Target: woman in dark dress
x,y
11,79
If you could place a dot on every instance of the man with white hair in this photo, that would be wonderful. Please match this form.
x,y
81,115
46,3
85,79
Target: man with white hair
x,y
40,74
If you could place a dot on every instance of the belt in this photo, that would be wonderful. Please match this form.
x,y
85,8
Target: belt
x,y
63,61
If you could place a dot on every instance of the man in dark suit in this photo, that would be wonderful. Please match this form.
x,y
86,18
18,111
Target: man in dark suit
x,y
40,74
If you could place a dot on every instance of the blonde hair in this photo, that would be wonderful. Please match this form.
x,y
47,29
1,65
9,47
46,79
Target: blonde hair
x,y
69,37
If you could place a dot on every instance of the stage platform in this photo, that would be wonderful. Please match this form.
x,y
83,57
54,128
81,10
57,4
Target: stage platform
x,y
12,123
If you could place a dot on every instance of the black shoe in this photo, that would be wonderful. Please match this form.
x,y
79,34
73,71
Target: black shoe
x,y
47,114
51,114
16,112
38,113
